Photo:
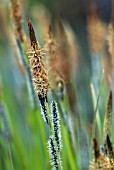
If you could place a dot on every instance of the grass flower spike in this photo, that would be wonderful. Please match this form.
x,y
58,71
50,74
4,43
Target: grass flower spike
x,y
109,151
17,18
56,131
55,119
100,161
108,117
39,74
53,60
52,153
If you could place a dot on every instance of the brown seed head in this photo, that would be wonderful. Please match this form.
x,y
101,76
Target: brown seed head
x,y
103,163
96,34
39,74
64,53
100,161
53,60
108,117
110,40
17,18
109,148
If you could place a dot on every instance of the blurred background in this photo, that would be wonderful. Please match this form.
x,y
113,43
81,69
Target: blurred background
x,y
81,33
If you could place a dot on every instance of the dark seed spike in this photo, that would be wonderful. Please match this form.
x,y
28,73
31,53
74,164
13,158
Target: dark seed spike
x,y
110,152
42,101
109,144
53,154
96,149
109,101
32,34
56,125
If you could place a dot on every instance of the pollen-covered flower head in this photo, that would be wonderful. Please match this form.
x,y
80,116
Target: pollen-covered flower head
x,y
39,74
100,161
